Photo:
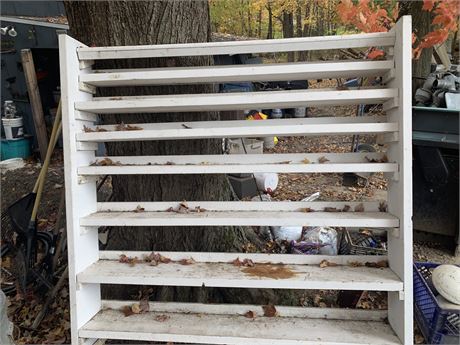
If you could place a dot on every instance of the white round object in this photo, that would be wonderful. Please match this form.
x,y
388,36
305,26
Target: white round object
x,y
266,182
446,279
289,233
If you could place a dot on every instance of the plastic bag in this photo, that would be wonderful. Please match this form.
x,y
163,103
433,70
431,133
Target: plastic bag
x,y
324,236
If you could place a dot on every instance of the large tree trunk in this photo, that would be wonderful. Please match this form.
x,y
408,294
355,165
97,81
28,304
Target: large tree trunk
x,y
112,23
421,25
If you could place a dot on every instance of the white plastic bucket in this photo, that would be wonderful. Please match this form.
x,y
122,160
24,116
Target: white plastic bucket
x,y
266,181
14,128
300,112
269,142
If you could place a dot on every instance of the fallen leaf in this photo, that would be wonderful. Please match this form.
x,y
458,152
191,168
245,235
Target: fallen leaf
x,y
322,160
139,209
161,318
307,209
237,262
123,127
325,263
284,162
250,314
346,208
331,209
136,308
189,261
144,306
378,264
383,206
359,208
127,311
306,161
355,264
269,310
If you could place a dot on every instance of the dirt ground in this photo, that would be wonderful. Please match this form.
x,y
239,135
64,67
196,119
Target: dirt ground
x,y
54,329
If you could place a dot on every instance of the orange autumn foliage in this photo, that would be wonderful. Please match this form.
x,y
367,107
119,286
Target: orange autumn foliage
x,y
369,16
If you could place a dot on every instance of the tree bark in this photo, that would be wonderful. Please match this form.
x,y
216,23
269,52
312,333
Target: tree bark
x,y
421,25
112,23
270,21
288,30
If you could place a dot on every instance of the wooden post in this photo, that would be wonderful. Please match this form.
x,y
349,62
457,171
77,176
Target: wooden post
x,y
35,101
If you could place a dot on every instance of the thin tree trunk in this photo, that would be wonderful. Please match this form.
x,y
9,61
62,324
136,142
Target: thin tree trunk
x,y
259,24
112,23
270,21
288,30
299,31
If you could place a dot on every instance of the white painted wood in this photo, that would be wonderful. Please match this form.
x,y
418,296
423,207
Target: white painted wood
x,y
224,324
288,259
234,73
241,309
85,301
400,191
237,168
243,159
239,47
247,218
370,206
243,128
229,275
234,101
207,328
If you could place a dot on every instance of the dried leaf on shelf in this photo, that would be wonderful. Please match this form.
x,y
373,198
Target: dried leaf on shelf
x,y
325,263
139,209
331,209
269,310
188,261
322,160
306,161
123,127
359,208
284,162
161,318
106,162
250,314
383,206
144,306
307,209
128,260
378,264
346,208
355,264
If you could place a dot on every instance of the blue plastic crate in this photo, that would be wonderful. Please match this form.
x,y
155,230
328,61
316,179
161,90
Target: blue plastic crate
x,y
438,325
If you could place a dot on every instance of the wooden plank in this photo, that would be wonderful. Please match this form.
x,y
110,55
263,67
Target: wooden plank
x,y
35,101
161,169
260,258
197,323
234,73
400,201
234,101
383,39
81,199
244,218
212,164
243,128
229,275
370,206
241,309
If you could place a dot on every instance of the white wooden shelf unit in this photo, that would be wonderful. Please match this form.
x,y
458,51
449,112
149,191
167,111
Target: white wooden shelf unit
x,y
93,318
